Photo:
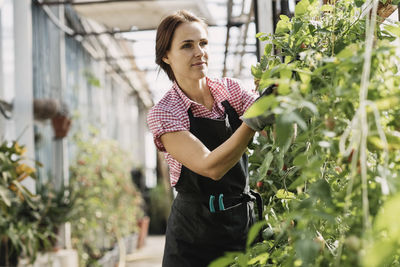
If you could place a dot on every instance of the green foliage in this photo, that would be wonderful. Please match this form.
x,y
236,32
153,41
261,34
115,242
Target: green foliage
x,y
108,204
92,79
28,223
159,207
315,202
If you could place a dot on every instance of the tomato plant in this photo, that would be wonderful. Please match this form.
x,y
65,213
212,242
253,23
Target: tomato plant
x,y
329,166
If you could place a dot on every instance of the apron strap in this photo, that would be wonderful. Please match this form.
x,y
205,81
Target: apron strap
x,y
259,202
233,117
190,113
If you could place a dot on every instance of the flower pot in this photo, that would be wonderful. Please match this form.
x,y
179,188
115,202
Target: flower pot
x,y
61,125
8,254
143,231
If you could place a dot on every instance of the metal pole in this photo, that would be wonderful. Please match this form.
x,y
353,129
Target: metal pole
x,y
228,26
23,82
256,21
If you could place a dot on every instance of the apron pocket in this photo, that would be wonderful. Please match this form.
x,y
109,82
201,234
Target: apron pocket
x,y
230,224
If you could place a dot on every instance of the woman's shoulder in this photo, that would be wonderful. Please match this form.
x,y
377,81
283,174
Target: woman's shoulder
x,y
227,82
226,85
168,100
168,105
233,83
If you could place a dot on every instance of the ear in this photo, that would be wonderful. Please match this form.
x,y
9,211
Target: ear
x,y
166,60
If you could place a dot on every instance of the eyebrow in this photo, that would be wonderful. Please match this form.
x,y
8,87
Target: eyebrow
x,y
191,41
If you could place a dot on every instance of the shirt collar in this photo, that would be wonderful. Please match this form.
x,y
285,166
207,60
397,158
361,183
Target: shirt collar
x,y
217,88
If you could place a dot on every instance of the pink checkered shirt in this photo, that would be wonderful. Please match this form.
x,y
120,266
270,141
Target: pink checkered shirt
x,y
170,114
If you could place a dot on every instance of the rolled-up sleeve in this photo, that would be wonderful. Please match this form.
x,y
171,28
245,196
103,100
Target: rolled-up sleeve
x,y
248,98
162,121
240,94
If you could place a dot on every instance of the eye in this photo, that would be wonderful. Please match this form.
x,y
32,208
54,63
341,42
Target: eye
x,y
187,45
204,43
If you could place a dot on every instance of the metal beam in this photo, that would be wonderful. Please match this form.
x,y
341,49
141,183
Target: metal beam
x,y
84,34
73,3
109,59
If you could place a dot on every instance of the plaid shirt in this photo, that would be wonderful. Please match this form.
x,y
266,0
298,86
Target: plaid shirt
x,y
170,114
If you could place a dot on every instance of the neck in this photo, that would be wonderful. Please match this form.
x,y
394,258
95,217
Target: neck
x,y
195,89
198,91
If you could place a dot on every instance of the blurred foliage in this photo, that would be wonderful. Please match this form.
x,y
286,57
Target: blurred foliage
x,y
109,203
29,222
313,192
160,201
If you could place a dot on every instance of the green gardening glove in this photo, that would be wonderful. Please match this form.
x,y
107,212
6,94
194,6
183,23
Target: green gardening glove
x,y
258,123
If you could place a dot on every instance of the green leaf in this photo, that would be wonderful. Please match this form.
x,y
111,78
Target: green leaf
x,y
253,232
285,73
268,49
260,259
321,190
261,106
265,165
3,195
284,131
258,35
256,72
393,141
283,194
223,261
294,117
359,3
327,8
394,29
283,25
301,8
385,222
387,103
300,160
284,87
307,251
347,52
298,182
388,214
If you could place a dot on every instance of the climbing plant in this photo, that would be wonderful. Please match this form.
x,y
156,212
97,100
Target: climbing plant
x,y
328,167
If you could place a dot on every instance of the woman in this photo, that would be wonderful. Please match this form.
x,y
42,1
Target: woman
x,y
197,125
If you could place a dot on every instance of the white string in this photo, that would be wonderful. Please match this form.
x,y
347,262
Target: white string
x,y
358,128
384,140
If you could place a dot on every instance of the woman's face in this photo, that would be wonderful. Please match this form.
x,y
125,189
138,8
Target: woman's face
x,y
188,56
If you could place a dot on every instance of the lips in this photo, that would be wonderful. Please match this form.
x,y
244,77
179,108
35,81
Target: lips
x,y
199,63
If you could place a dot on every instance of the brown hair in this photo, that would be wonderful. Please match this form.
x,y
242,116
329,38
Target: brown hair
x,y
165,34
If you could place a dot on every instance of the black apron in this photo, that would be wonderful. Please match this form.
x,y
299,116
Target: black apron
x,y
209,218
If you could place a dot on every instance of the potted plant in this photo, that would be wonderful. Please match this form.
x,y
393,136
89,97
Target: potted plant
x,y
16,237
28,222
109,203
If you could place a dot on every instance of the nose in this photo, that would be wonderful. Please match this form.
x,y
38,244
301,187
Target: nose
x,y
200,51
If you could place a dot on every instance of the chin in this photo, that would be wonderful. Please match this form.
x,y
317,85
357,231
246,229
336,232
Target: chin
x,y
203,74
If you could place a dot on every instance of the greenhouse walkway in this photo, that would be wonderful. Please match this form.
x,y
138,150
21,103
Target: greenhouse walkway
x,y
148,256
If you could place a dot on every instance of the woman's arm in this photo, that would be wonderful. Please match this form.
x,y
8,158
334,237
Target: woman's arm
x,y
193,154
